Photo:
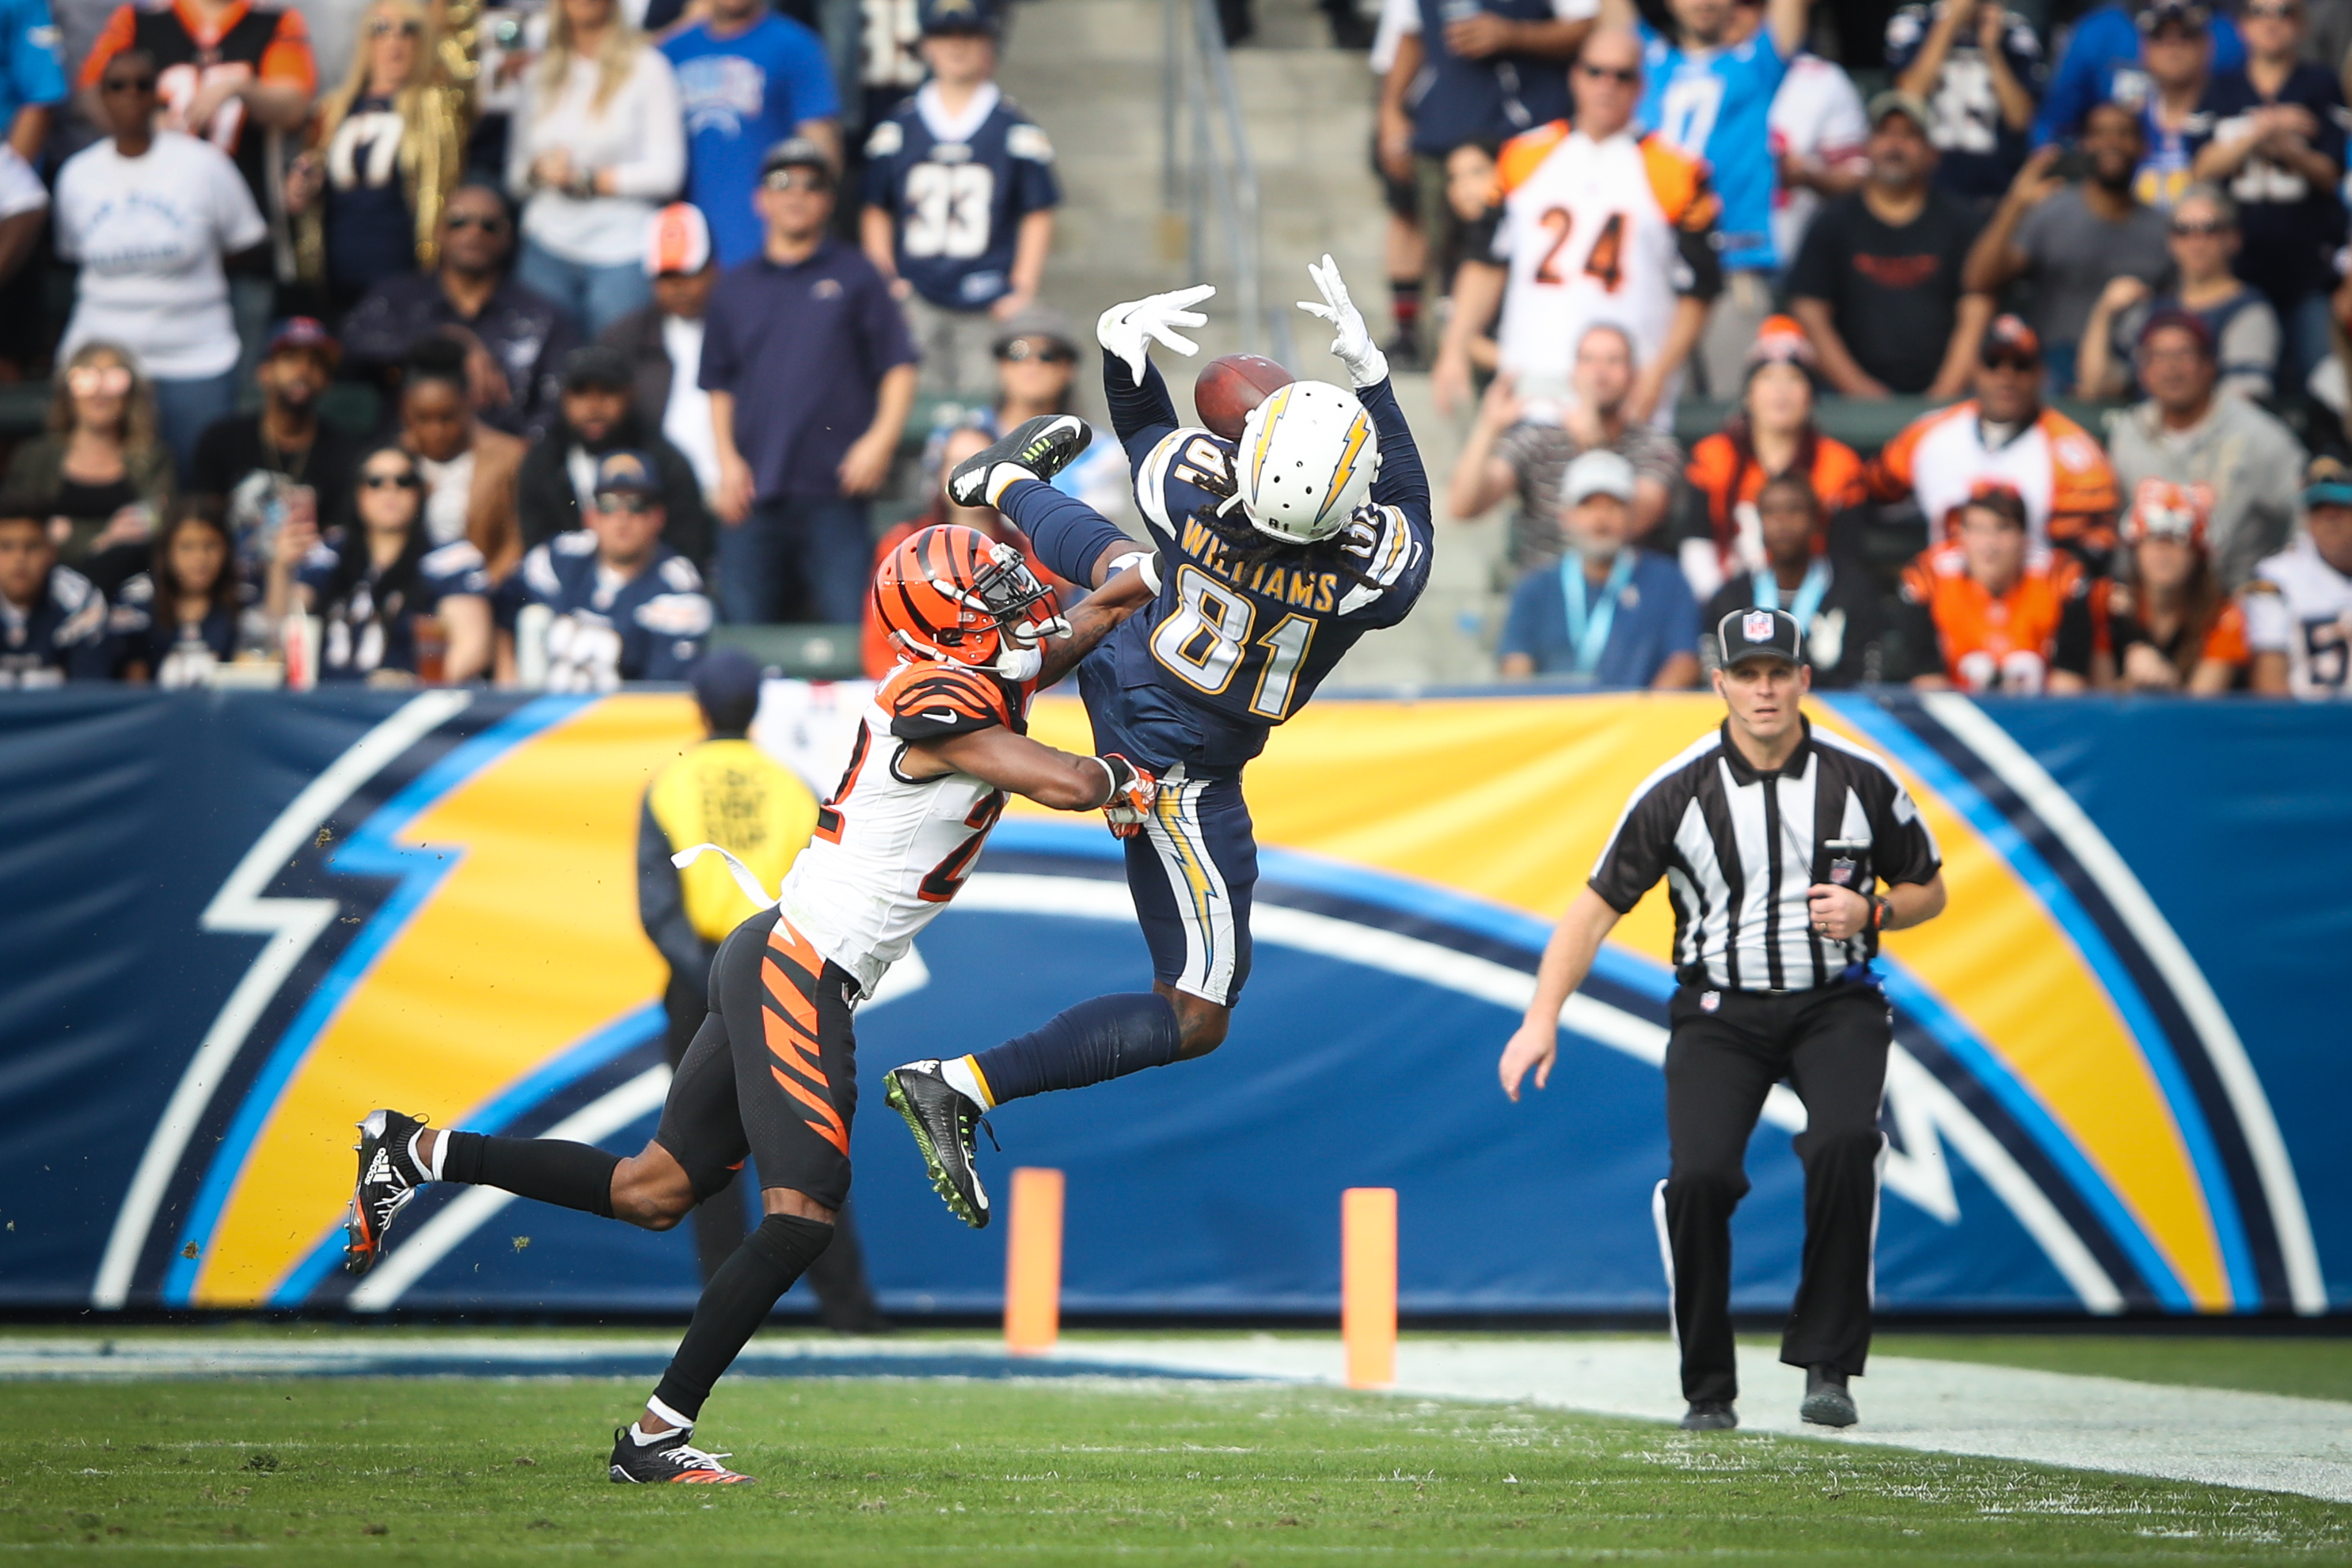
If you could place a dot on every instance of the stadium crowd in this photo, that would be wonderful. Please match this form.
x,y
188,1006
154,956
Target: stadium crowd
x,y
539,342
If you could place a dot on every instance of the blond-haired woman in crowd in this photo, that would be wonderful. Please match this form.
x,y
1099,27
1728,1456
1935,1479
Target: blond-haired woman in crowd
x,y
596,147
387,147
100,470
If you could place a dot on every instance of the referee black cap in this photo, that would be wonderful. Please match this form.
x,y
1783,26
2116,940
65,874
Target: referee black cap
x,y
1746,633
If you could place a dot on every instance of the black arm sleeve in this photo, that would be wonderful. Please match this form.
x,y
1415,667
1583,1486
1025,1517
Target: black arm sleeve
x,y
1902,850
1140,415
1702,265
661,904
1403,483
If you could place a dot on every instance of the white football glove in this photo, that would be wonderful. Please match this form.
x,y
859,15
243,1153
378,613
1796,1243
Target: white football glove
x,y
1354,348
1128,331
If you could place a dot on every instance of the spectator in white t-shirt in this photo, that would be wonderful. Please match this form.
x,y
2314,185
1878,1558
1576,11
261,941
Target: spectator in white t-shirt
x,y
1817,129
597,148
664,340
150,215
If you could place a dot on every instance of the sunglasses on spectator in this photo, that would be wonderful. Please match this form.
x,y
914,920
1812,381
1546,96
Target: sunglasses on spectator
x,y
1021,348
2201,226
127,84
384,27
630,502
98,381
2012,362
2275,13
386,479
797,180
1624,75
489,222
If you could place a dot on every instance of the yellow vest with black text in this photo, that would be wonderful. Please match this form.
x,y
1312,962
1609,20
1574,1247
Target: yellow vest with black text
x,y
731,794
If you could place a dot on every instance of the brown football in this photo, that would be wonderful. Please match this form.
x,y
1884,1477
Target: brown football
x,y
1233,384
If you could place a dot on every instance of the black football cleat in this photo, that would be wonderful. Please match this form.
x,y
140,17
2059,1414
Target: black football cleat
x,y
1040,448
942,1119
388,1179
1710,1416
672,1461
1827,1401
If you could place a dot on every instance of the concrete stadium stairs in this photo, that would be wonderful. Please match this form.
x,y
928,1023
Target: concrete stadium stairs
x,y
1089,71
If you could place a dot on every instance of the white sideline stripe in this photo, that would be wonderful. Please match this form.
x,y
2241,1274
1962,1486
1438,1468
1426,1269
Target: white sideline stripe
x,y
2047,799
292,924
407,1263
2215,1437
1922,1106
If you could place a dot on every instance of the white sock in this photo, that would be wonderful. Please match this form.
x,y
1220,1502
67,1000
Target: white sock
x,y
644,1439
683,1423
963,1077
1002,477
432,1167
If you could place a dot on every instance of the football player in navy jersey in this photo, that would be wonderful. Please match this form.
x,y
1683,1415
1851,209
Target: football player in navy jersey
x,y
1274,555
959,198
627,607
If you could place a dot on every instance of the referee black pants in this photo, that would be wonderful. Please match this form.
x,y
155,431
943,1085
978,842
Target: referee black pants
x,y
1725,1052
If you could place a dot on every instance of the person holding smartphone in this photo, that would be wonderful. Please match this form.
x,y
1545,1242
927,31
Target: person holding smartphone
x,y
1777,838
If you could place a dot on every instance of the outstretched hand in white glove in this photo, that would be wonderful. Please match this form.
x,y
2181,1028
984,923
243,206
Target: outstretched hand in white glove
x,y
1128,331
1353,346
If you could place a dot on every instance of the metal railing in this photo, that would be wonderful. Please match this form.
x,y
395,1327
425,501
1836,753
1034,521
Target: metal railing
x,y
1208,179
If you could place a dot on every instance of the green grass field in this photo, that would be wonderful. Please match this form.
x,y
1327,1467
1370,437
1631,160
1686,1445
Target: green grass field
x,y
890,1471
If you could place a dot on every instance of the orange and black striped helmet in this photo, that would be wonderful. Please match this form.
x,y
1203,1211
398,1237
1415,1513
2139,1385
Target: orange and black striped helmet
x,y
951,592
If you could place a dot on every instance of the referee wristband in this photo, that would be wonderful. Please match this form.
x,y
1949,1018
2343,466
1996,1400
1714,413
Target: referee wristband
x,y
1880,908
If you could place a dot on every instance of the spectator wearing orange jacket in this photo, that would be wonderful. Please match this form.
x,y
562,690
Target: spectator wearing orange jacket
x,y
1722,535
2004,433
1989,610
2172,627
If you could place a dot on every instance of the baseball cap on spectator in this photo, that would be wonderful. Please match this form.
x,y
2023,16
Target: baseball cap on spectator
x,y
958,17
626,473
2161,509
1779,341
1754,634
306,333
597,365
1599,472
796,152
2007,337
678,241
726,683
2327,482
1894,101
2186,14
2174,319
1036,321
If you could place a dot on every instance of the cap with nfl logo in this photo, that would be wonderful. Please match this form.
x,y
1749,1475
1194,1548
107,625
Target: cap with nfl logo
x,y
1752,633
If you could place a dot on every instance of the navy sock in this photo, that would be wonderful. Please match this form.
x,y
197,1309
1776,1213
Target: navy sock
x,y
572,1176
1109,1037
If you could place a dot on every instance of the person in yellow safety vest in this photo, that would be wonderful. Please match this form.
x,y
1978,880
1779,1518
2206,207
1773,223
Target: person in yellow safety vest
x,y
727,791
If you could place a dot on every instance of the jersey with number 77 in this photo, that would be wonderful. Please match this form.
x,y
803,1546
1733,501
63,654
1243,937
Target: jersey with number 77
x,y
1245,627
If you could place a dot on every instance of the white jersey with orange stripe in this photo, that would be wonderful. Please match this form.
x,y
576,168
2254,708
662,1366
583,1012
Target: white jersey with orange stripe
x,y
890,851
1610,232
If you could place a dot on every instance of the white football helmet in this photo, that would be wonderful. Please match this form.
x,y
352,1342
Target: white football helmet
x,y
1308,456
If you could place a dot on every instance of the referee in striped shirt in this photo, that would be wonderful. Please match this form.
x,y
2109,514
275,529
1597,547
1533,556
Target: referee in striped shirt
x,y
1773,839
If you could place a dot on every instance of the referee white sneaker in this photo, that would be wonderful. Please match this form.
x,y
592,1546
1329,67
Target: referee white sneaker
x,y
1827,1403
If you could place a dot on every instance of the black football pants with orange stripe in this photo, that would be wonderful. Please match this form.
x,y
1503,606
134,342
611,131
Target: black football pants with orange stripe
x,y
771,1076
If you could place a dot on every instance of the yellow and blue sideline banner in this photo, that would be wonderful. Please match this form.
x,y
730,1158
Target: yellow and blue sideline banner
x,y
236,922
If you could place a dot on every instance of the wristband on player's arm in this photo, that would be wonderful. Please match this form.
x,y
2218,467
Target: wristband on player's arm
x,y
1143,561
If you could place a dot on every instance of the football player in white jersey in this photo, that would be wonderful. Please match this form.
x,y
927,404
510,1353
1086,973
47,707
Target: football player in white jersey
x,y
772,1073
1597,223
2299,606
